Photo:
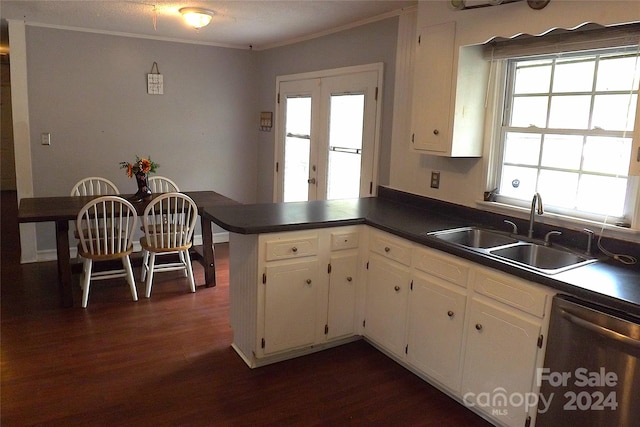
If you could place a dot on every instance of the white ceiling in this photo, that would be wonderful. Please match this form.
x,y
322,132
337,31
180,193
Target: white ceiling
x,y
260,23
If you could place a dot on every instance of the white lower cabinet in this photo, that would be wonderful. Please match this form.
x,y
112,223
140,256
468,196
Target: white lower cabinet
x,y
476,333
343,280
506,328
291,295
435,326
386,303
500,361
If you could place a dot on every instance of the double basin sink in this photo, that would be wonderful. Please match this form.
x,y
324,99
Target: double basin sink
x,y
507,248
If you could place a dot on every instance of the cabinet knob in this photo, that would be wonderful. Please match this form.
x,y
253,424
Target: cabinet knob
x,y
308,281
478,326
450,313
349,278
294,249
436,131
387,248
396,288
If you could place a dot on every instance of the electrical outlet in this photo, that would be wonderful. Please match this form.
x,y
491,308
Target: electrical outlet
x,y
435,179
45,138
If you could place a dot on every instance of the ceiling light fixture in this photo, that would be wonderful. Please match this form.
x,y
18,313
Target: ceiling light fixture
x,y
196,16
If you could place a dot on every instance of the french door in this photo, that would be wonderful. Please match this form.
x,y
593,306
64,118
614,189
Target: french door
x,y
326,135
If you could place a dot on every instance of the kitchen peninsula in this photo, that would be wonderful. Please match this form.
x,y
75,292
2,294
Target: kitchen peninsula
x,y
311,275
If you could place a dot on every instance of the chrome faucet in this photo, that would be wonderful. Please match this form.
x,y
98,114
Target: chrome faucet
x,y
536,200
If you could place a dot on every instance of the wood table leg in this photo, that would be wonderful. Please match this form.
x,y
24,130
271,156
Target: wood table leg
x,y
208,253
64,263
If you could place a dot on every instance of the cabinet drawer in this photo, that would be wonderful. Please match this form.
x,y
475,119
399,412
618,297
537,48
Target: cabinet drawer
x,y
277,249
391,248
513,292
442,266
344,240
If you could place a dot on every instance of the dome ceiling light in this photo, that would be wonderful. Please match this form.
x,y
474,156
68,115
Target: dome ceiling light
x,y
197,17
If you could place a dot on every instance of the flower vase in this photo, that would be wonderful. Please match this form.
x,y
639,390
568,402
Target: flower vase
x,y
143,187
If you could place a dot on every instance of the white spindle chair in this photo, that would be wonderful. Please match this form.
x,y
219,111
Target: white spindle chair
x,y
105,229
161,184
168,223
94,186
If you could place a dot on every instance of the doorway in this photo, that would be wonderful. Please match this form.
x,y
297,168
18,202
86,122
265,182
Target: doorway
x,y
326,135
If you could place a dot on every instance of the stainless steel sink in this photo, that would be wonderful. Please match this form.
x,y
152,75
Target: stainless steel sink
x,y
510,249
473,237
546,259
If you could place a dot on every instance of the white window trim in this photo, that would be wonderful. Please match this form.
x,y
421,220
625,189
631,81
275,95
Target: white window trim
x,y
334,72
495,101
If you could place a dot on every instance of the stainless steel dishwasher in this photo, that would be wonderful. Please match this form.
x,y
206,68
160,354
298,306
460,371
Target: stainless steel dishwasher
x,y
591,374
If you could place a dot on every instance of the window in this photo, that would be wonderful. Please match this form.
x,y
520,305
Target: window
x,y
566,132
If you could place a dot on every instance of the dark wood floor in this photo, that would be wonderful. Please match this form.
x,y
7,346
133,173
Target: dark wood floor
x,y
168,361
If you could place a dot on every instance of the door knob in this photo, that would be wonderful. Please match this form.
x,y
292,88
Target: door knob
x,y
311,180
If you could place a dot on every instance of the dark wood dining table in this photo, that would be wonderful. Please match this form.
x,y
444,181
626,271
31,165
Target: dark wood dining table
x,y
61,210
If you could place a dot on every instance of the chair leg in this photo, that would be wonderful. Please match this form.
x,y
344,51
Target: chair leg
x,y
126,263
152,263
145,262
189,271
86,280
181,255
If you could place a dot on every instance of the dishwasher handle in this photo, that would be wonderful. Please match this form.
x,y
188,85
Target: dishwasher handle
x,y
600,330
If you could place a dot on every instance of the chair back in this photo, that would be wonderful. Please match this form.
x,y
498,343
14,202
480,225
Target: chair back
x,y
94,186
105,227
169,221
161,184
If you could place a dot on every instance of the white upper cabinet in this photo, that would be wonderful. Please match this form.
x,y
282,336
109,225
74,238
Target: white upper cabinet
x,y
449,87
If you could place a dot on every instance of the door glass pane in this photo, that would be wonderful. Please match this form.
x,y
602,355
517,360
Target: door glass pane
x,y
346,123
297,147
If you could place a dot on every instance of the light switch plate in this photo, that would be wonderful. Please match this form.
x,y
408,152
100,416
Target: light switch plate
x,y
45,138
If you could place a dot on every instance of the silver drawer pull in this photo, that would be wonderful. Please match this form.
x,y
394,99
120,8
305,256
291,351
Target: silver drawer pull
x,y
478,326
396,288
387,248
450,313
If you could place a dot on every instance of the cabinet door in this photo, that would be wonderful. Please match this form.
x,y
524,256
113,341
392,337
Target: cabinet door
x,y
290,305
432,83
386,303
342,295
500,358
435,325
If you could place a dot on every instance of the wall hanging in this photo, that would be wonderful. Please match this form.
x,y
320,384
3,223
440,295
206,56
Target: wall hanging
x,y
155,82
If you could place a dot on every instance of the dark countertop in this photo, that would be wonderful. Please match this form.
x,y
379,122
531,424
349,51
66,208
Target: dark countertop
x,y
615,286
